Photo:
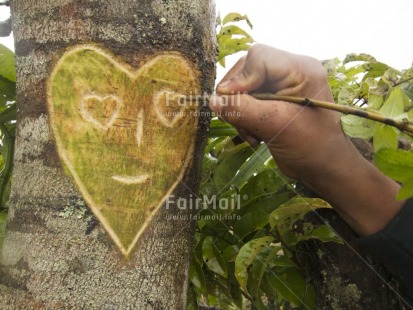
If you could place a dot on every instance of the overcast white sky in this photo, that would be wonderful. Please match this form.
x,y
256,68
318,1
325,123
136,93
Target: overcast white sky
x,y
332,28
326,28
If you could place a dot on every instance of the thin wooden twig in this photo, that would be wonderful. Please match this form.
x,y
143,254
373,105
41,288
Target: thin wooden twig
x,y
404,126
401,125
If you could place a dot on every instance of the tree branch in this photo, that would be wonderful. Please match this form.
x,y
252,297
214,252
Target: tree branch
x,y
403,81
406,127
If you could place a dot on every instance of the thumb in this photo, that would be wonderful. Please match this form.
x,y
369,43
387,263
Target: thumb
x,y
246,76
242,83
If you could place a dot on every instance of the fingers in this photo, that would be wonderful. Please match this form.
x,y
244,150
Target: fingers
x,y
247,75
242,111
248,137
236,112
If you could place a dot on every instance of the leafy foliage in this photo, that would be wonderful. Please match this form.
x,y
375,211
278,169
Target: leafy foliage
x,y
244,253
3,217
398,164
248,229
363,81
8,111
230,37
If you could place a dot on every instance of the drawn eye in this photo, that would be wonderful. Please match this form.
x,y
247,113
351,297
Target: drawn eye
x,y
170,107
101,111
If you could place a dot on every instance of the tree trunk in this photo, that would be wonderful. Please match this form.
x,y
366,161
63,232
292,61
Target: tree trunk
x,y
91,75
342,277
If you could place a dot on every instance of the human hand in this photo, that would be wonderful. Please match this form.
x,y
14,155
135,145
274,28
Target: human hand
x,y
307,143
301,139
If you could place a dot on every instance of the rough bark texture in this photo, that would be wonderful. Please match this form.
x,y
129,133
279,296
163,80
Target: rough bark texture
x,y
55,254
343,277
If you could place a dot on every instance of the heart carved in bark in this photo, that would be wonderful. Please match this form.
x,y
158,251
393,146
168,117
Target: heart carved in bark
x,y
125,135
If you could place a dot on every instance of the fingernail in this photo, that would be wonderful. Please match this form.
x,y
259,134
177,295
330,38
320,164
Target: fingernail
x,y
215,103
224,86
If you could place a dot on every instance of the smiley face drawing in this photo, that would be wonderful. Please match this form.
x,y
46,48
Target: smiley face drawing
x,y
122,135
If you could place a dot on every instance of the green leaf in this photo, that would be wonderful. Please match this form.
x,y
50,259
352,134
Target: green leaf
x,y
233,30
213,258
347,94
407,89
394,105
6,193
250,223
410,115
322,233
254,165
7,65
385,137
212,143
353,71
281,261
10,114
196,276
246,257
358,57
406,191
1,158
266,203
292,287
262,265
228,148
375,69
197,253
330,66
219,128
357,127
236,17
3,218
229,45
229,165
230,253
7,150
289,213
391,76
397,164
283,220
191,300
7,91
264,183
219,20
375,101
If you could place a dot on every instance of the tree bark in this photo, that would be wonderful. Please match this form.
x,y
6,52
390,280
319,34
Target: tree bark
x,y
342,276
56,254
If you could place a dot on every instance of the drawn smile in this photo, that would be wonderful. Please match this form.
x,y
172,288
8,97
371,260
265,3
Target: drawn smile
x,y
139,179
